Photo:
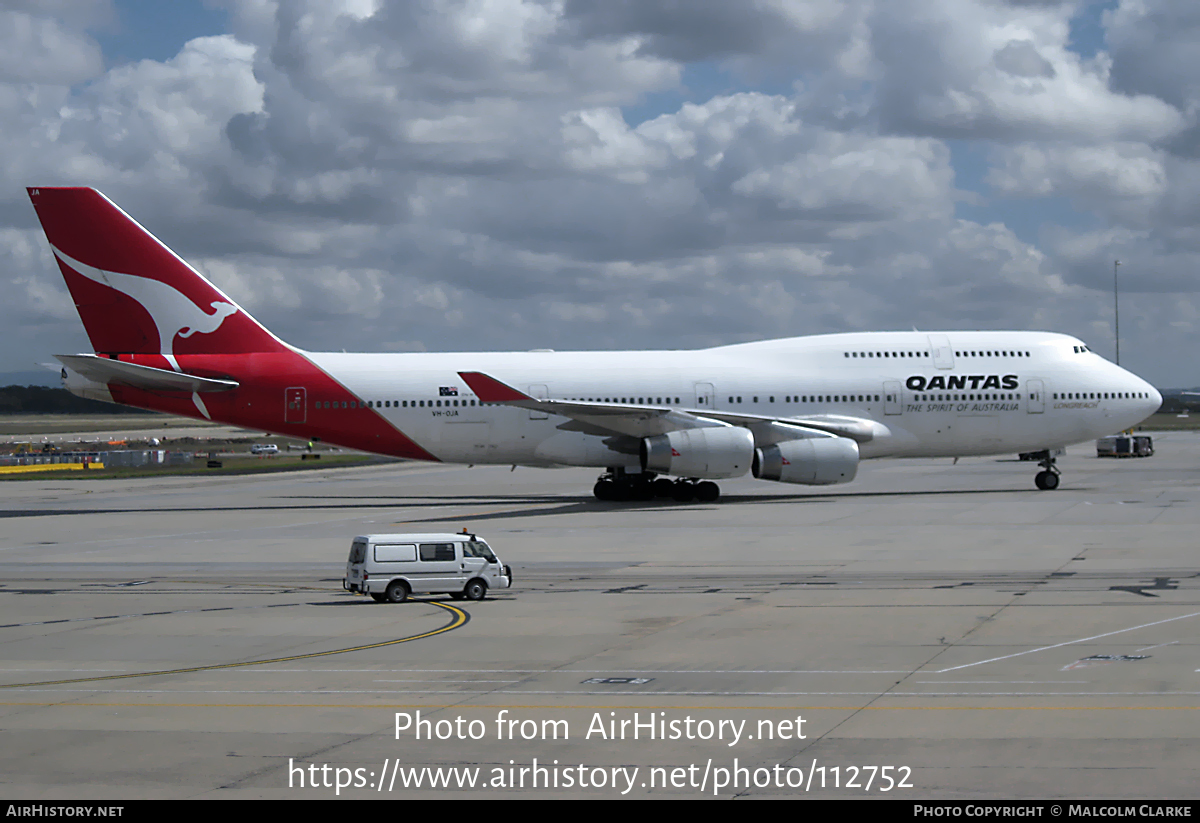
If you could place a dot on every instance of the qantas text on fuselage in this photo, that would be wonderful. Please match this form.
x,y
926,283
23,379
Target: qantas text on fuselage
x,y
802,410
921,383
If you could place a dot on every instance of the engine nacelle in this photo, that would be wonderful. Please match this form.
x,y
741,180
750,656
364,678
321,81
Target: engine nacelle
x,y
819,461
711,453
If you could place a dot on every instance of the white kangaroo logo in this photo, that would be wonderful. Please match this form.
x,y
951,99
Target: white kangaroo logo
x,y
173,312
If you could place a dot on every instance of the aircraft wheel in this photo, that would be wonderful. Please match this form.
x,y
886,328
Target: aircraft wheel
x,y
643,491
683,492
664,488
397,591
708,492
605,490
1046,481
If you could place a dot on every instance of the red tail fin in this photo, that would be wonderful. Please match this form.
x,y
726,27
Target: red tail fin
x,y
135,295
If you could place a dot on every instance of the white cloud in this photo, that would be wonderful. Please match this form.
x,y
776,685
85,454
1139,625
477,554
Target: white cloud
x,y
1156,49
972,68
1126,182
845,176
39,297
42,50
436,175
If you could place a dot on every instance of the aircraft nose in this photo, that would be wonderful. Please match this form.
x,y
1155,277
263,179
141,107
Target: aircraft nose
x,y
1154,400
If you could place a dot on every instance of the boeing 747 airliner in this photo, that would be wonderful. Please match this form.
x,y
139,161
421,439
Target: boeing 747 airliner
x,y
800,410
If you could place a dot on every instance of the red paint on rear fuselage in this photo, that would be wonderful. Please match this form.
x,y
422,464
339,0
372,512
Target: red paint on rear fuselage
x,y
260,401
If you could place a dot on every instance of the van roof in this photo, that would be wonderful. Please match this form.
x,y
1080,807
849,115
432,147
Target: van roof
x,y
415,538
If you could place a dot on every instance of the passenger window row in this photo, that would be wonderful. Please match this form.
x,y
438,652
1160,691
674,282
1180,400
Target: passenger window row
x,y
639,401
820,398
1120,395
391,404
406,404
447,403
926,354
991,354
733,399
885,354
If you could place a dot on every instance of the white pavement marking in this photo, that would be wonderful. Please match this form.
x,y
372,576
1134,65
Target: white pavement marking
x,y
1069,642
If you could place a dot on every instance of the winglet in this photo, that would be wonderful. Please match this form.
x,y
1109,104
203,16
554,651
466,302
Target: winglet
x,y
490,390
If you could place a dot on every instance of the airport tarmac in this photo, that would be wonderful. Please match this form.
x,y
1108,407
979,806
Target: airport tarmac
x,y
931,630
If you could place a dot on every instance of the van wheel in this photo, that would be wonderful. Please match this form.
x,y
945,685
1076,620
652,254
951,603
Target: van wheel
x,y
475,590
397,591
378,598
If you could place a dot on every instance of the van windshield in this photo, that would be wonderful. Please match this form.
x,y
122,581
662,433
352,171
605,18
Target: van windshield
x,y
477,548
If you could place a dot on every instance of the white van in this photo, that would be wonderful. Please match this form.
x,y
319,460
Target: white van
x,y
390,567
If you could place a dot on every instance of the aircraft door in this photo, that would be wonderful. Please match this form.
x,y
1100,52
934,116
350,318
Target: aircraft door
x,y
941,351
891,397
540,393
1036,398
295,403
706,396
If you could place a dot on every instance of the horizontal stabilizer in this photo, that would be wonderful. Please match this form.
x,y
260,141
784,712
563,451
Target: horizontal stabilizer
x,y
104,370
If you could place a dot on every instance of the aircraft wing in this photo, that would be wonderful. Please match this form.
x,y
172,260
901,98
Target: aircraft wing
x,y
592,418
858,429
646,420
104,370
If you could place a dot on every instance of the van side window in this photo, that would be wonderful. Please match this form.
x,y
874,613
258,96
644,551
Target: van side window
x,y
434,552
395,553
477,548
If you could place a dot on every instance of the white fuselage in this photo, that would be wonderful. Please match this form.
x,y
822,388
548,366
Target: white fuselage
x,y
932,394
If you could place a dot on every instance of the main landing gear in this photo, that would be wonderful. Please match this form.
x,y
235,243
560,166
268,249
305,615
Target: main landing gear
x,y
616,485
1047,478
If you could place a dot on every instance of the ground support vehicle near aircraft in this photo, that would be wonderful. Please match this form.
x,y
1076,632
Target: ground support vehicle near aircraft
x,y
390,567
802,410
1125,445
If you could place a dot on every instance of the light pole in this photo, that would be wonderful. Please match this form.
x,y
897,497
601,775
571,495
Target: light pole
x,y
1116,312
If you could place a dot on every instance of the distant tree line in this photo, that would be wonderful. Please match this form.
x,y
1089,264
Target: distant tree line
x,y
46,400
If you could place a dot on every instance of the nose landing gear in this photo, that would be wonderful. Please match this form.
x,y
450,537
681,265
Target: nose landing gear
x,y
1047,478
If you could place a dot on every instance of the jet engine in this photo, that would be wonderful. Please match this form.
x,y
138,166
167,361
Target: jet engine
x,y
819,461
719,451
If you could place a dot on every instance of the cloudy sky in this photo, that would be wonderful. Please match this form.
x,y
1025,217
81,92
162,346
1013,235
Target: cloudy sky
x,y
450,175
